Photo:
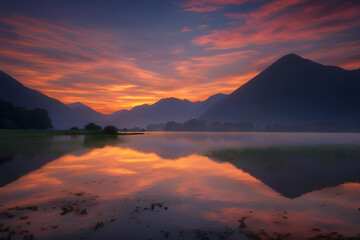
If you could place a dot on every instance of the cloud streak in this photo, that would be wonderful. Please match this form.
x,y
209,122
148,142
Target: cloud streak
x,y
74,65
208,5
223,45
282,21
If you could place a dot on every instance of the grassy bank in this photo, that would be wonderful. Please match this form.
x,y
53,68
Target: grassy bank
x,y
29,133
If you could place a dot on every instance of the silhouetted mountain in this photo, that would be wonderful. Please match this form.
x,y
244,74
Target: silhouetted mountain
x,y
13,91
85,112
20,96
167,109
62,116
79,105
77,114
293,90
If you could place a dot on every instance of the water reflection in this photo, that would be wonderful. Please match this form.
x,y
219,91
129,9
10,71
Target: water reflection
x,y
172,145
20,156
293,171
132,191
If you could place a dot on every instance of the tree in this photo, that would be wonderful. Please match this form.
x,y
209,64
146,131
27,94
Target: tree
x,y
112,130
92,126
22,118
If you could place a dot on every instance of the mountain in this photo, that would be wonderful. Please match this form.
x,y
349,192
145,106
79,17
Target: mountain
x,y
13,91
293,90
20,96
166,109
63,116
85,112
78,114
79,105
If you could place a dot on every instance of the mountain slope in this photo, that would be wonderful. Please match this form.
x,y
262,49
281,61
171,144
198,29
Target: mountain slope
x,y
167,109
293,90
87,112
63,117
77,114
13,91
20,96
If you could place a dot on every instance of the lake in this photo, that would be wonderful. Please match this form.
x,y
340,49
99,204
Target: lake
x,y
178,185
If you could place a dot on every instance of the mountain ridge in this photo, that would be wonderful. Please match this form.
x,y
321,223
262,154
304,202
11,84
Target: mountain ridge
x,y
292,90
65,116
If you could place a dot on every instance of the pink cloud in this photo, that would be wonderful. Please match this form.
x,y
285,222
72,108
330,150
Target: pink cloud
x,y
282,21
208,5
202,26
187,29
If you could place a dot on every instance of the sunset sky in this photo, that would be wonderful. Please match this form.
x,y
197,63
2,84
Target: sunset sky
x,y
116,54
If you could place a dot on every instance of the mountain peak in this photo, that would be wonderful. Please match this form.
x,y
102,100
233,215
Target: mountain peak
x,y
77,105
290,59
172,100
290,91
291,63
291,56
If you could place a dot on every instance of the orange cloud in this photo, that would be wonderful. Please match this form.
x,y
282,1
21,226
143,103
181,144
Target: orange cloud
x,y
96,67
77,64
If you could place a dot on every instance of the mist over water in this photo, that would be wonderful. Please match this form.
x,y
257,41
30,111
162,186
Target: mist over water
x,y
165,186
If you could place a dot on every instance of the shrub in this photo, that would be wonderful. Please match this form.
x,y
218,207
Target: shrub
x,y
110,130
92,126
74,128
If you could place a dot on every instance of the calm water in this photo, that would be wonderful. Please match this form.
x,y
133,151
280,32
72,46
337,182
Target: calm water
x,y
161,186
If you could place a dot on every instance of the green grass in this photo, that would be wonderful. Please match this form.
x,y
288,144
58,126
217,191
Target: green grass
x,y
30,133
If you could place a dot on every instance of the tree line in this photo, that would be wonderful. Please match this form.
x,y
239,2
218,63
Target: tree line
x,y
202,126
21,118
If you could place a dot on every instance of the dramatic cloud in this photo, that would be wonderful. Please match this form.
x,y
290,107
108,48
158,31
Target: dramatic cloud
x,y
195,49
282,21
75,65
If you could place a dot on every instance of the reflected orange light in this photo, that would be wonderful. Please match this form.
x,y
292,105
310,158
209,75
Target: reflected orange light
x,y
210,190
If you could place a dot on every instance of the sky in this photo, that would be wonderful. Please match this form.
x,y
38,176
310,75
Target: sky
x,y
113,55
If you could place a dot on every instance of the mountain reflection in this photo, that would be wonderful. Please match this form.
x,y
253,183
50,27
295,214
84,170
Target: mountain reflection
x,y
295,170
123,184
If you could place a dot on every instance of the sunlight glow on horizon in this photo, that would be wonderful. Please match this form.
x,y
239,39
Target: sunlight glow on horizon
x,y
111,68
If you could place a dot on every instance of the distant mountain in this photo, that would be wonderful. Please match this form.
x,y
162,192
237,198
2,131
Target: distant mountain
x,y
79,105
13,91
20,96
293,90
167,109
78,114
63,116
88,113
